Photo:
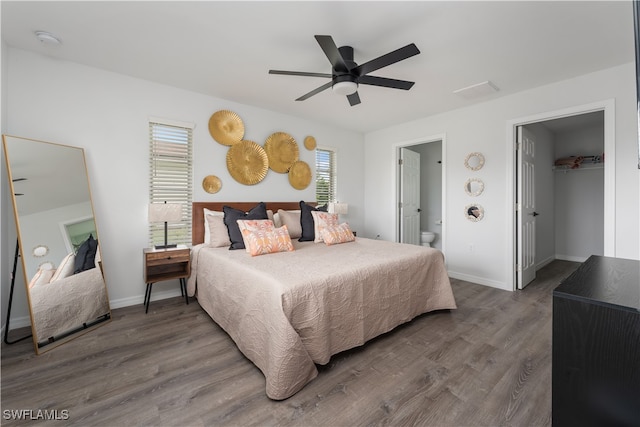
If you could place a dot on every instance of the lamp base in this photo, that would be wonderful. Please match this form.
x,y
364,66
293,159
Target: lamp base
x,y
165,246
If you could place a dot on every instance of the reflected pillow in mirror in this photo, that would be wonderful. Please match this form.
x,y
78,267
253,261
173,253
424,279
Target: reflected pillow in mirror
x,y
42,277
65,269
85,257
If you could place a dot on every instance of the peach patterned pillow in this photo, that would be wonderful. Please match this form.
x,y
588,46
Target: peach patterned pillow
x,y
254,225
322,220
267,241
337,234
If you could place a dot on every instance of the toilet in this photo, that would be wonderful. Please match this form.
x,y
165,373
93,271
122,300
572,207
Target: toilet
x,y
426,237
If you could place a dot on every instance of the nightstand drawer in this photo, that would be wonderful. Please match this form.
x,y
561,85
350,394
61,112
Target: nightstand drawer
x,y
167,257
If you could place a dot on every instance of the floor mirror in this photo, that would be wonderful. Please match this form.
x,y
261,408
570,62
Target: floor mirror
x,y
58,240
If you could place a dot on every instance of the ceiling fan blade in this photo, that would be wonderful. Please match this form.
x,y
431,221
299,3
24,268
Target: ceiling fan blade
x,y
354,99
300,73
333,54
385,82
388,59
315,91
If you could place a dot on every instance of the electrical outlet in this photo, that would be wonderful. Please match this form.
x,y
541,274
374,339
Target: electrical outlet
x,y
471,247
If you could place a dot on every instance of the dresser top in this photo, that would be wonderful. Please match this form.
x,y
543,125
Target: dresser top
x,y
605,281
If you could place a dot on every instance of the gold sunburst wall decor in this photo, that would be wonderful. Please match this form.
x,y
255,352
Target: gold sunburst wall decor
x,y
247,162
226,127
310,143
282,151
211,184
300,175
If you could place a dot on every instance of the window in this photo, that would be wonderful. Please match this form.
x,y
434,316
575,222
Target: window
x,y
325,175
170,177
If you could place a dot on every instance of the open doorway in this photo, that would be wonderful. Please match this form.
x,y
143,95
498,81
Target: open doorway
x,y
563,171
420,194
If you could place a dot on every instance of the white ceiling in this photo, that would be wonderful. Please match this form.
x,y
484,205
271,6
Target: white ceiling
x,y
225,49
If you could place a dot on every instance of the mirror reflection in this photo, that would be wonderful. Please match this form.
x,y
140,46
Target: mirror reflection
x,y
474,186
474,161
474,212
58,239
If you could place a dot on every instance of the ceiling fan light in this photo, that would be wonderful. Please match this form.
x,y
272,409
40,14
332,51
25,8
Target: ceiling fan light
x,y
345,88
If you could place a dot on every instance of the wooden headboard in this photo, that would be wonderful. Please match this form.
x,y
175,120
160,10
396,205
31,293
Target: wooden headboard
x,y
197,213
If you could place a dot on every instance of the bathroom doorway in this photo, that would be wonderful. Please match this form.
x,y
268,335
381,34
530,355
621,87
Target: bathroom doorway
x,y
431,196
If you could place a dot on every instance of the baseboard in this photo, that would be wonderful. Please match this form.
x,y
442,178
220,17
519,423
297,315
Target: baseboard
x,y
155,296
571,258
545,262
480,280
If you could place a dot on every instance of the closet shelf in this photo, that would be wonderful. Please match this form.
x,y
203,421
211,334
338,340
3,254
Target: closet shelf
x,y
583,166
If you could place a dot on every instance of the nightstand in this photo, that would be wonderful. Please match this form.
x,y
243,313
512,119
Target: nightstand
x,y
166,264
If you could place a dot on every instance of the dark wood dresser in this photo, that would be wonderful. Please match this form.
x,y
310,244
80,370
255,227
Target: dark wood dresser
x,y
596,345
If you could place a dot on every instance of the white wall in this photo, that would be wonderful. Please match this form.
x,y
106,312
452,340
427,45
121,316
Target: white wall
x,y
107,114
484,128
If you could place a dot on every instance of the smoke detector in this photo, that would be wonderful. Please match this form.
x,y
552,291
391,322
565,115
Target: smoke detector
x,y
47,38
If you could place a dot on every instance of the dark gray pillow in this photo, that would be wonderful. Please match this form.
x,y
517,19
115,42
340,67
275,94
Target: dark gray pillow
x,y
306,221
85,257
232,215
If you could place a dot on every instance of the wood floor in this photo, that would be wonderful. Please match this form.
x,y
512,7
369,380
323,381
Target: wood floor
x,y
488,363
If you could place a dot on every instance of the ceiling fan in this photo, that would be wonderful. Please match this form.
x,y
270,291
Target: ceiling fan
x,y
346,75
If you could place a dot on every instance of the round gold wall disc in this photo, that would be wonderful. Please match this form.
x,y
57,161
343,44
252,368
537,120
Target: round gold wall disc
x,y
310,143
300,175
211,184
247,162
226,127
282,151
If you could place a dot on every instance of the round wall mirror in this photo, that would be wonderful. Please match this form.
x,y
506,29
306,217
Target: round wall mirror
x,y
474,212
474,161
40,251
474,186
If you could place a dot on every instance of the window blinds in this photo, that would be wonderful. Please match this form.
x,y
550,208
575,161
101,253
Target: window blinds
x,y
325,175
170,178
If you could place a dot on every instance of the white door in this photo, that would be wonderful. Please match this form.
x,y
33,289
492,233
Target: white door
x,y
409,196
526,214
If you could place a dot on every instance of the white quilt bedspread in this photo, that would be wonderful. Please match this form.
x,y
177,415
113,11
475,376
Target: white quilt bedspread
x,y
289,311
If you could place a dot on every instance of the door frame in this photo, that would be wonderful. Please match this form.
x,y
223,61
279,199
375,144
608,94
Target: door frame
x,y
396,184
608,107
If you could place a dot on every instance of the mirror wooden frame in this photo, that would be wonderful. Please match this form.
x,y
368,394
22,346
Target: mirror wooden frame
x,y
49,185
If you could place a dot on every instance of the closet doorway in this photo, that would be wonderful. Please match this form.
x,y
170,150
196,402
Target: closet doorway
x,y
429,201
561,191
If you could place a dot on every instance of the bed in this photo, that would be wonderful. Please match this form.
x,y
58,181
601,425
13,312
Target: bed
x,y
289,311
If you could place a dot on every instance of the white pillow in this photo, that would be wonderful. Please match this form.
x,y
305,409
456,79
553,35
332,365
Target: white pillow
x,y
292,220
42,277
65,269
207,229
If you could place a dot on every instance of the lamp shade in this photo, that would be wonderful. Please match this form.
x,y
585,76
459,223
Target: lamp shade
x,y
165,212
339,208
